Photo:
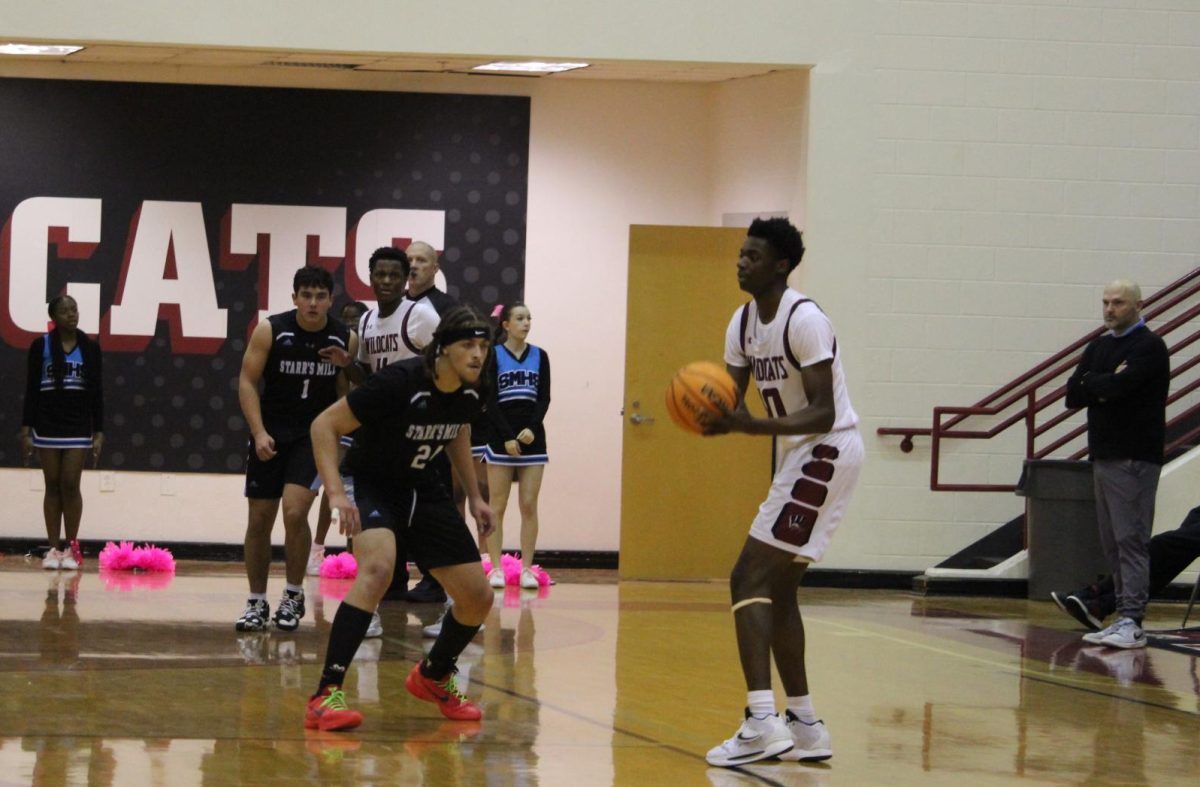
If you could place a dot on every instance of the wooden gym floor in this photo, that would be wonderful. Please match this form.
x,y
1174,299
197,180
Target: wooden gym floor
x,y
132,680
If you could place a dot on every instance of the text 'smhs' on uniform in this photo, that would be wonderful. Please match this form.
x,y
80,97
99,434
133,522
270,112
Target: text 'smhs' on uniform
x,y
297,383
406,423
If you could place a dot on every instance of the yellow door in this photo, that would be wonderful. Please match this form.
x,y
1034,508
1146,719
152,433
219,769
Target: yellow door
x,y
686,501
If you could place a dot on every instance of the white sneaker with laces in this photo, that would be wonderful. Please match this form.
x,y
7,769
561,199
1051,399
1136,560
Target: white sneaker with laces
x,y
1095,637
528,580
67,561
811,741
53,560
375,629
316,556
1126,633
756,739
496,577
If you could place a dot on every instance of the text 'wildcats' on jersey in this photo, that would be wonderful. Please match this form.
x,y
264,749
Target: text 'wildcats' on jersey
x,y
798,335
402,334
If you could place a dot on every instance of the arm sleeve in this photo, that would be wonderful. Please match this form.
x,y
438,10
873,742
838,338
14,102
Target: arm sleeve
x,y
33,381
734,354
1147,361
543,398
1077,394
383,394
98,389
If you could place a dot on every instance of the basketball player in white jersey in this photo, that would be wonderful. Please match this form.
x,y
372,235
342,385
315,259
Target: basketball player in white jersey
x,y
786,343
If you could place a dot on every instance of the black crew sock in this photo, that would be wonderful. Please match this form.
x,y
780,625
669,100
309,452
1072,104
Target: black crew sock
x,y
452,641
345,635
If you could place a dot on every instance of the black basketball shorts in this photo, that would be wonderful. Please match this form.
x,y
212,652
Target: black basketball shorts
x,y
431,531
293,463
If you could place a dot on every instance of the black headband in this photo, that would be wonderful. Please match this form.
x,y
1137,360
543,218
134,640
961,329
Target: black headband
x,y
448,337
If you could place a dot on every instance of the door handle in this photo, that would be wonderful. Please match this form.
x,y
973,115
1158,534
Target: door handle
x,y
637,419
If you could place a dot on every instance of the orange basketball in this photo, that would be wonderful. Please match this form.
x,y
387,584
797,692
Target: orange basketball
x,y
694,394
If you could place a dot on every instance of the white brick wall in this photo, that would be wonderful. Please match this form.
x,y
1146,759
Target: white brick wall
x,y
1034,151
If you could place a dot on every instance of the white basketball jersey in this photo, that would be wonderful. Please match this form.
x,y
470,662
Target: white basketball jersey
x,y
798,335
402,334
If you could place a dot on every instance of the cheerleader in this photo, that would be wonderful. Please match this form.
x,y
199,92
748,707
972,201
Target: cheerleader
x,y
517,448
63,421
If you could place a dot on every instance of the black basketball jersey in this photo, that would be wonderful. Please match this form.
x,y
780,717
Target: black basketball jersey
x,y
297,383
406,424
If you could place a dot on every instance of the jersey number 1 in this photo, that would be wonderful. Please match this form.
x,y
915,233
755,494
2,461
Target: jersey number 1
x,y
304,390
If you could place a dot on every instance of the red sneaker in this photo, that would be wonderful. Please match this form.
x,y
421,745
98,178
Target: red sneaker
x,y
444,693
328,711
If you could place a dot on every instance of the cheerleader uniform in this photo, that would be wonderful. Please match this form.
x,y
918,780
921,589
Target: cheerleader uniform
x,y
67,416
519,400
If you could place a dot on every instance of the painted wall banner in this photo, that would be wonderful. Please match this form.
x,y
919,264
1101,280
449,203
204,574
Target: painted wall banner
x,y
176,216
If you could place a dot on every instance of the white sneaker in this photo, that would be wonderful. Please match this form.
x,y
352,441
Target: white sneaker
x,y
528,580
811,741
496,577
53,560
67,561
1122,634
434,630
375,629
316,556
1125,633
756,739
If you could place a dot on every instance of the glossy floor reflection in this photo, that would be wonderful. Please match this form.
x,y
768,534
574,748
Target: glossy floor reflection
x,y
130,680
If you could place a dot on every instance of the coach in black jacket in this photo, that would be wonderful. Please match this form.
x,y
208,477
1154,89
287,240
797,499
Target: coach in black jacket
x,y
1122,379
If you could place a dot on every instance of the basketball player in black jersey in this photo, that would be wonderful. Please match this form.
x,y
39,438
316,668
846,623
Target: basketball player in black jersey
x,y
292,354
423,267
404,416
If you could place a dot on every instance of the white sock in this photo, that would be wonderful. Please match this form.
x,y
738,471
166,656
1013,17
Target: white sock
x,y
258,596
802,708
317,547
293,589
761,703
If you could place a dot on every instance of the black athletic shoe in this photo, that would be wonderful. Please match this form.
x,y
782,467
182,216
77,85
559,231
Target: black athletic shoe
x,y
1086,610
254,618
291,609
427,591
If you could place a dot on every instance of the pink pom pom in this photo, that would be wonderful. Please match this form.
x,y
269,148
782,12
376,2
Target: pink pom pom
x,y
486,562
152,558
339,566
116,557
496,312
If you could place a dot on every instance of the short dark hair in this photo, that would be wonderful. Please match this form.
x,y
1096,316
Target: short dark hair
x,y
314,277
359,307
783,238
388,253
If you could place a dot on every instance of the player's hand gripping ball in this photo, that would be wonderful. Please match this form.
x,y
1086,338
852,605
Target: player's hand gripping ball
x,y
697,393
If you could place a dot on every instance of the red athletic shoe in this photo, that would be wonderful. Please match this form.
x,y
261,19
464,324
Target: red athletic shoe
x,y
328,711
444,693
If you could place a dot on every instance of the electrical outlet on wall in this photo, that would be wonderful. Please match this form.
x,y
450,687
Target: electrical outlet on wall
x,y
167,485
108,481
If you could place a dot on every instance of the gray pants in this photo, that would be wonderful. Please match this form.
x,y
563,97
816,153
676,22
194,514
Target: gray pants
x,y
1125,491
